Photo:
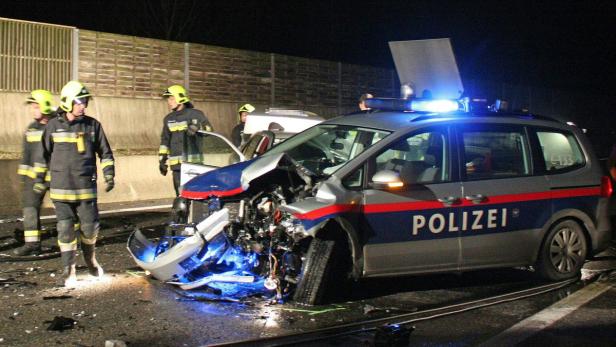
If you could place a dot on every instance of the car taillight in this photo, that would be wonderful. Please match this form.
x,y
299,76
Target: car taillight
x,y
606,187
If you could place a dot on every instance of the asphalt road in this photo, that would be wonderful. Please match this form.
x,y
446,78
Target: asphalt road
x,y
128,306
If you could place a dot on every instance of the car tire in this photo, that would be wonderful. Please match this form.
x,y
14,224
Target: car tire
x,y
563,252
316,272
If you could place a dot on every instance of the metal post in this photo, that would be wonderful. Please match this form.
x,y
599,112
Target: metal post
x,y
339,88
393,83
75,55
273,78
187,66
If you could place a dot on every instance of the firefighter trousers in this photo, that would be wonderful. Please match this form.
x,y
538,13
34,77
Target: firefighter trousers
x,y
67,213
31,202
176,181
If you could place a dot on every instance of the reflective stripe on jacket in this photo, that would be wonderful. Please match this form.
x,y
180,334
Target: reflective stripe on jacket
x,y
32,162
173,136
70,148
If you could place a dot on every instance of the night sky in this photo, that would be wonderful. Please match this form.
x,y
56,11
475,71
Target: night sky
x,y
555,44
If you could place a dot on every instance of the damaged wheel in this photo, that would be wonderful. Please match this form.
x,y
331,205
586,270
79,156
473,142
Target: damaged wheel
x,y
324,264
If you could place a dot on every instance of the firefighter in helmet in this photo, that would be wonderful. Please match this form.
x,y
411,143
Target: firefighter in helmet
x,y
71,143
237,134
183,120
40,101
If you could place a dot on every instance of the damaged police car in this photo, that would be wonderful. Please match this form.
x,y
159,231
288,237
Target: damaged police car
x,y
413,187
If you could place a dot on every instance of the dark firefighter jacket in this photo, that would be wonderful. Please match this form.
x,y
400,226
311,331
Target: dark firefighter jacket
x,y
237,133
70,148
173,137
32,162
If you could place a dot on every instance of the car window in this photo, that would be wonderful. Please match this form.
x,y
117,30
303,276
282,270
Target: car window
x,y
251,146
323,149
208,149
258,144
560,150
420,158
495,152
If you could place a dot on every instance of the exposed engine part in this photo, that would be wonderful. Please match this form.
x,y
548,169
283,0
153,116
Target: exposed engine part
x,y
257,244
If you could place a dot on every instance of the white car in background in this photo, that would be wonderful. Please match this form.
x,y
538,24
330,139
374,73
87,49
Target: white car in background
x,y
207,150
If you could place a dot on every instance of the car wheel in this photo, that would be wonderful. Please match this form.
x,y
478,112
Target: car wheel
x,y
316,272
563,252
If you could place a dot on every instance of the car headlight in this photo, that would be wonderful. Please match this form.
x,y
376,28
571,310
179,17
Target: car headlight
x,y
293,226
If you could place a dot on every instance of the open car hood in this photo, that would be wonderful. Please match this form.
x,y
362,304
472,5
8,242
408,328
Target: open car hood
x,y
229,180
428,65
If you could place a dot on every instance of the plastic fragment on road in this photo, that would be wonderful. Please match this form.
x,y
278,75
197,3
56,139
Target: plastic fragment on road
x,y
215,278
315,312
58,297
60,323
392,335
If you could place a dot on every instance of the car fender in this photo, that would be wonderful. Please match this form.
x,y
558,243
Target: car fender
x,y
586,223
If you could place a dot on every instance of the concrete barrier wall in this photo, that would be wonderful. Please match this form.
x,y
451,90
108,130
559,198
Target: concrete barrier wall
x,y
129,123
137,178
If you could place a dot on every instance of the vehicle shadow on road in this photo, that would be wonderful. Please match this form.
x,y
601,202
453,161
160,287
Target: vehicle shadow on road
x,y
477,282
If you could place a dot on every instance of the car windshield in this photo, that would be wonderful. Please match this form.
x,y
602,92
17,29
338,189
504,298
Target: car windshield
x,y
323,149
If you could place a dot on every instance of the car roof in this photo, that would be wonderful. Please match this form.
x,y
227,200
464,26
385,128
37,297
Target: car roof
x,y
394,121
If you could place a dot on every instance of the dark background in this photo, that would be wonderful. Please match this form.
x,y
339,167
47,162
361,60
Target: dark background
x,y
555,44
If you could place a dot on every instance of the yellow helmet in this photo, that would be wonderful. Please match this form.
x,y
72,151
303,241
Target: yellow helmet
x,y
178,92
43,98
71,92
246,108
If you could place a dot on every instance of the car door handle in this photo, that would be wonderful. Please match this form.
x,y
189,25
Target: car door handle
x,y
192,173
449,200
475,198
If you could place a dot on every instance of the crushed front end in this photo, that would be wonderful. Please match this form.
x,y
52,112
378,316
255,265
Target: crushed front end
x,y
229,227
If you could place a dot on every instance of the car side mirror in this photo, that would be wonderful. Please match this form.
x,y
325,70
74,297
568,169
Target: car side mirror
x,y
387,180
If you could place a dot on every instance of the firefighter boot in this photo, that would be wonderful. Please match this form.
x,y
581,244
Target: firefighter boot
x,y
89,257
29,248
69,272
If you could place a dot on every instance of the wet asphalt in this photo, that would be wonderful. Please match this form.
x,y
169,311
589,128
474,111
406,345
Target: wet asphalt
x,y
129,306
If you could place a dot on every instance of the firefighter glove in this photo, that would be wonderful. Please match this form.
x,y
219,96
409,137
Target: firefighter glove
x,y
162,167
110,183
192,129
39,188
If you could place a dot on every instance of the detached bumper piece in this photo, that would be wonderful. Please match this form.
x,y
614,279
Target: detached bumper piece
x,y
182,263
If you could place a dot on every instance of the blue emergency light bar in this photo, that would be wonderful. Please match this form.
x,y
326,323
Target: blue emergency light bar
x,y
437,106
415,105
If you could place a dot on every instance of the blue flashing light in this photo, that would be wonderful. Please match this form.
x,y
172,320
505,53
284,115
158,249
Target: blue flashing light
x,y
415,105
436,106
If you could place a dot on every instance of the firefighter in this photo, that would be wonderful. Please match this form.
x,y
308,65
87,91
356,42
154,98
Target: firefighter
x,y
71,142
40,101
361,103
611,163
183,120
237,134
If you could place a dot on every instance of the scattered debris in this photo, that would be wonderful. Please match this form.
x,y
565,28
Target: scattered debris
x,y
369,309
11,281
315,312
58,297
392,335
115,343
206,298
60,323
136,273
